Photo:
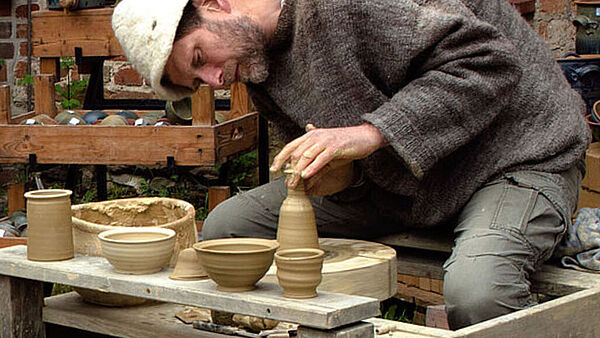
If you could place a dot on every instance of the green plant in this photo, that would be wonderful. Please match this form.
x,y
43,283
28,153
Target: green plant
x,y
242,171
26,80
395,309
1,62
74,90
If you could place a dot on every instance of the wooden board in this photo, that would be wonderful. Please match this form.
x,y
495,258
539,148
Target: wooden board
x,y
11,241
134,322
435,240
328,310
355,267
188,145
57,33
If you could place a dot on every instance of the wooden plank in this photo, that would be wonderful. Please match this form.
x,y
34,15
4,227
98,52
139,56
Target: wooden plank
x,y
21,117
107,144
569,316
50,66
555,281
134,322
203,106
56,33
240,101
15,195
216,195
400,329
11,241
236,136
5,113
21,301
436,240
44,95
327,311
421,263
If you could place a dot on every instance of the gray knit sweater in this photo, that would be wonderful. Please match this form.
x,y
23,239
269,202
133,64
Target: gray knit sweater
x,y
463,91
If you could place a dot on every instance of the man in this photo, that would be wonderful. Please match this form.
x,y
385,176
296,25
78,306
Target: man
x,y
410,113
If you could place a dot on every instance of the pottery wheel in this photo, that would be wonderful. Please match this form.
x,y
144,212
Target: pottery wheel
x,y
355,267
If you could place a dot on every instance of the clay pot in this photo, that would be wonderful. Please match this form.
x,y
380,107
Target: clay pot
x,y
114,120
297,227
236,264
188,266
179,112
90,219
49,228
137,251
94,115
299,271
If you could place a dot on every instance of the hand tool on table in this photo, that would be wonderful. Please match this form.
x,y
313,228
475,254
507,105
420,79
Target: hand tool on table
x,y
223,329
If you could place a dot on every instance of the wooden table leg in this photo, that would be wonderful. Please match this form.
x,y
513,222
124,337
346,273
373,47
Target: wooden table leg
x,y
21,302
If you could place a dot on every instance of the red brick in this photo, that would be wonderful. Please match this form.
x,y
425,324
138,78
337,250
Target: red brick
x,y
21,31
128,77
5,8
3,73
20,69
553,6
5,30
23,48
7,50
21,11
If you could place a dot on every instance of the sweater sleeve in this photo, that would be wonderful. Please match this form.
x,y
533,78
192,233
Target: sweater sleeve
x,y
462,75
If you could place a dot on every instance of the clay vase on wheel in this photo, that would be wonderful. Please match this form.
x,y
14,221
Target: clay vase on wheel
x,y
299,271
297,227
49,229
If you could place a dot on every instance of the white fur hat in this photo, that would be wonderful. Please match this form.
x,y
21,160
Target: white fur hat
x,y
146,30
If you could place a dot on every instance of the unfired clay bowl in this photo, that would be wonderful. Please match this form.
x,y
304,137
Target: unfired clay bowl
x,y
299,271
236,264
138,250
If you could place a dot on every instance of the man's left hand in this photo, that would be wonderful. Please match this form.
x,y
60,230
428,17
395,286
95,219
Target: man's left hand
x,y
320,146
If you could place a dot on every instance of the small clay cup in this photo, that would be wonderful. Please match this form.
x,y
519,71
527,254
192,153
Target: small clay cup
x,y
299,271
188,266
236,264
49,229
139,250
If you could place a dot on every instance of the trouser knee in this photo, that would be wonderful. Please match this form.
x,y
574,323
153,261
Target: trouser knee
x,y
223,221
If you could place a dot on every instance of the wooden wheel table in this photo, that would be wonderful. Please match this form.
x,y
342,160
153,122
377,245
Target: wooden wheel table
x,y
350,266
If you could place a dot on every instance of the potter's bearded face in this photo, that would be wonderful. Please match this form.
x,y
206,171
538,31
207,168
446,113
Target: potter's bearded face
x,y
247,42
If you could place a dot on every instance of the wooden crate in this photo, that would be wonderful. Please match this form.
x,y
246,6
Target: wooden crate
x,y
204,143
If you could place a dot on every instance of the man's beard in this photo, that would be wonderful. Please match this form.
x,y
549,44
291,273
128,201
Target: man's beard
x,y
248,42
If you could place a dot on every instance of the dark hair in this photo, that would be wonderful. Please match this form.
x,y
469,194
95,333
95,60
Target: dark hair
x,y
190,20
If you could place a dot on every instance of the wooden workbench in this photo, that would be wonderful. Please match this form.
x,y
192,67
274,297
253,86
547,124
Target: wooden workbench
x,y
21,296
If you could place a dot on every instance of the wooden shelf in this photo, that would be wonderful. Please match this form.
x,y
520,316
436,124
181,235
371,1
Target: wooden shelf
x,y
201,144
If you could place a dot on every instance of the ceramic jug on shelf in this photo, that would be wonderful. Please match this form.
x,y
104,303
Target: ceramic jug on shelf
x,y
296,227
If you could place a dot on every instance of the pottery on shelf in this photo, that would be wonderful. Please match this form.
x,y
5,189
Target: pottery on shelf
x,y
179,112
49,227
236,264
114,120
94,115
296,227
188,266
299,271
90,219
138,251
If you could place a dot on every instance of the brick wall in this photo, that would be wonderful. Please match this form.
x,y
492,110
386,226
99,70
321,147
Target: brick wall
x,y
13,47
551,19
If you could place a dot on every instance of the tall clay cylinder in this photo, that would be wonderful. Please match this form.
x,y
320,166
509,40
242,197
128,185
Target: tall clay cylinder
x,y
49,227
297,227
